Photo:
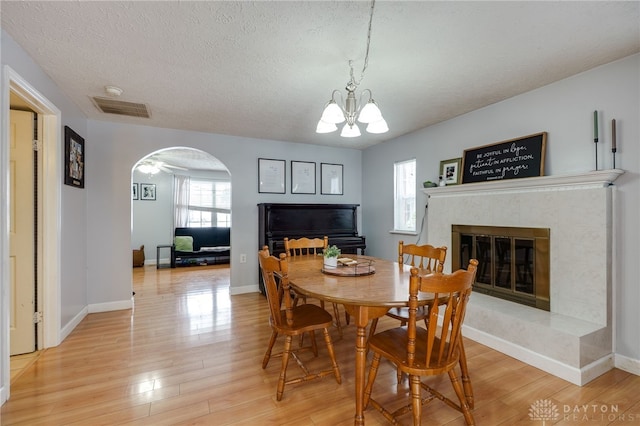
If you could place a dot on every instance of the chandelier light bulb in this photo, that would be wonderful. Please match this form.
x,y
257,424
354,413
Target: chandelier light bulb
x,y
370,113
350,131
324,127
377,127
332,113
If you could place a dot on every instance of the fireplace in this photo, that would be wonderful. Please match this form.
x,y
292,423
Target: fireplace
x,y
573,337
513,261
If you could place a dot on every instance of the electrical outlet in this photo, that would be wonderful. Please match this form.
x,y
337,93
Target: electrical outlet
x,y
243,258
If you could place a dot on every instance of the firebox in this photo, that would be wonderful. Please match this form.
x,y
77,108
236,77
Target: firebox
x,y
513,262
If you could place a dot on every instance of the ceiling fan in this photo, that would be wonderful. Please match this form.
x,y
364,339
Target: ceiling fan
x,y
154,166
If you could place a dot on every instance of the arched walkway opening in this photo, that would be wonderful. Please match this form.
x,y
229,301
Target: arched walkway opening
x,y
176,187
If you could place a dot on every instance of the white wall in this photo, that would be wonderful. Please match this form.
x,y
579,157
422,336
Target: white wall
x,y
152,220
565,110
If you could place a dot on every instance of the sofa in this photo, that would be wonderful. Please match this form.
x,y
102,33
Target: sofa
x,y
201,246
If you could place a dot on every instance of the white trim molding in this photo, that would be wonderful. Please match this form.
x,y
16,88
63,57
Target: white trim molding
x,y
627,364
593,179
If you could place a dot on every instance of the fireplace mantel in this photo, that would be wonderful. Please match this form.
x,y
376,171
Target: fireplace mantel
x,y
593,179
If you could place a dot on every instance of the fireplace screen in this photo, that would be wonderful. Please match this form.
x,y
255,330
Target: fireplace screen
x,y
513,262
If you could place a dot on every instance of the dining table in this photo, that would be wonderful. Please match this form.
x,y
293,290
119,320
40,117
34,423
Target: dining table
x,y
367,289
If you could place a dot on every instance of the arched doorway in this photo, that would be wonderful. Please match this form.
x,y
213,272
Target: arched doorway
x,y
154,215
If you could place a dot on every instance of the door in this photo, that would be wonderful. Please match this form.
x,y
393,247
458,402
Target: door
x,y
22,234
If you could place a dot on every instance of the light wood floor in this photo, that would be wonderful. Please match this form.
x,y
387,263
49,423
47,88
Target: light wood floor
x,y
188,353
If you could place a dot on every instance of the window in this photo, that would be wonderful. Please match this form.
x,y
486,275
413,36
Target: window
x,y
404,201
209,203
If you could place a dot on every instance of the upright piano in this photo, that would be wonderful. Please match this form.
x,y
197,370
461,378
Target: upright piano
x,y
339,222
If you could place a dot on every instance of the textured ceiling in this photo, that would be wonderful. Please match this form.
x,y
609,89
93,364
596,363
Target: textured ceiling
x,y
265,69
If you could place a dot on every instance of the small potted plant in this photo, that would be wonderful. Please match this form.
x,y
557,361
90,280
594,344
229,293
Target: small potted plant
x,y
331,254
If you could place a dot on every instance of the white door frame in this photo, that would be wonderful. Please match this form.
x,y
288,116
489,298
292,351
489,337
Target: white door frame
x,y
51,221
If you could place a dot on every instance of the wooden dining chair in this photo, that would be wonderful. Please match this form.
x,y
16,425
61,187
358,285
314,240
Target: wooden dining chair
x,y
430,351
428,259
292,321
311,247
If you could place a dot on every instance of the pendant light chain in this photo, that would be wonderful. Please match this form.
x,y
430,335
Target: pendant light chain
x,y
366,56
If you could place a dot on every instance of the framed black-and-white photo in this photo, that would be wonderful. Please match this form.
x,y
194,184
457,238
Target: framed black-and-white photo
x,y
331,177
271,176
134,191
303,177
74,158
450,170
147,191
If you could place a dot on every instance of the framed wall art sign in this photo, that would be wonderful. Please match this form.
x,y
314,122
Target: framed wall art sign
x,y
512,159
74,158
332,175
271,176
303,177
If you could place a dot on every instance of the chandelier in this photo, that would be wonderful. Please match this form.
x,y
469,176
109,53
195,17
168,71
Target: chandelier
x,y
339,110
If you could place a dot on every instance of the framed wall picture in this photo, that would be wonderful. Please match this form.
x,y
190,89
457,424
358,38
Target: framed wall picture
x,y
303,177
147,191
331,179
134,191
74,158
271,176
450,170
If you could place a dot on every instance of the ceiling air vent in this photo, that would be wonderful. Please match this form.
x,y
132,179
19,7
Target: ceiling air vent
x,y
112,106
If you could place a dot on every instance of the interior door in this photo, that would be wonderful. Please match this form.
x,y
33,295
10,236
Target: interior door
x,y
21,234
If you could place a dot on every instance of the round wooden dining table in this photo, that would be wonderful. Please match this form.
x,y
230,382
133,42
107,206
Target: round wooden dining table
x,y
365,297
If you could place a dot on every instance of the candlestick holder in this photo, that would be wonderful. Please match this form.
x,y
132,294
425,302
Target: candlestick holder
x,y
595,143
613,153
614,147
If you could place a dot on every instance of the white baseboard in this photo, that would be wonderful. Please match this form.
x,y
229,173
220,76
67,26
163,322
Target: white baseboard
x,y
244,289
627,364
3,395
98,307
71,325
110,306
577,376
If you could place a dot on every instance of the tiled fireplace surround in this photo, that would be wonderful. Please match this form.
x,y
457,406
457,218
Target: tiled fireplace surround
x,y
574,340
